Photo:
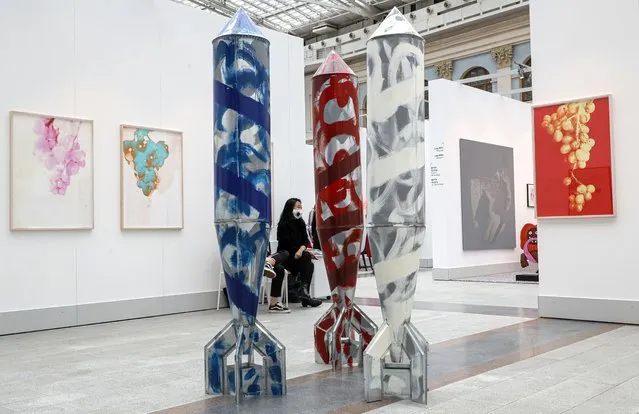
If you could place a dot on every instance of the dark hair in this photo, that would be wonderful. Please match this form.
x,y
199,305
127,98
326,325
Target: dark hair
x,y
287,211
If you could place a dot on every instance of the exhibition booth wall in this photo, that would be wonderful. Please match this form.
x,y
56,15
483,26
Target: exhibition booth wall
x,y
478,205
146,63
586,268
426,259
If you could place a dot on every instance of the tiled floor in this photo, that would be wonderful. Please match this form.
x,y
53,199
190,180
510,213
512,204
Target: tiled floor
x,y
493,294
153,364
596,375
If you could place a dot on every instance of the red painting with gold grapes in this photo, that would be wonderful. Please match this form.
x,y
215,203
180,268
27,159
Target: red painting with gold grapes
x,y
573,159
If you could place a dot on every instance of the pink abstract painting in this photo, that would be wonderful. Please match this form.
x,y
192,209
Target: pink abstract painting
x,y
51,172
61,154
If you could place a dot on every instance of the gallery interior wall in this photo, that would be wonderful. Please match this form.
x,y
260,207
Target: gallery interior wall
x,y
148,63
586,264
462,112
426,259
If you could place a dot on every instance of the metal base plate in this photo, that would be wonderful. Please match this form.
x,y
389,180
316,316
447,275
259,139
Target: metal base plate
x,y
269,378
406,379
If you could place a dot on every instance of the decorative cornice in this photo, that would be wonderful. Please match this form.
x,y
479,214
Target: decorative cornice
x,y
457,45
476,41
445,69
503,56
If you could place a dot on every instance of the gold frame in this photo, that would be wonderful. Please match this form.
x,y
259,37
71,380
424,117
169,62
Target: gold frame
x,y
12,227
122,166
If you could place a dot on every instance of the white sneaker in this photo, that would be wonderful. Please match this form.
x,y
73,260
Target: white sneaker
x,y
278,308
269,272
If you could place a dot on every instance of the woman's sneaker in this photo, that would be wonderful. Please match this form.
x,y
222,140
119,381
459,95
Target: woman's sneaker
x,y
269,272
278,308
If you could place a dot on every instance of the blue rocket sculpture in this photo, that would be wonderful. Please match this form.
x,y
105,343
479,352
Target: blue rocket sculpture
x,y
243,211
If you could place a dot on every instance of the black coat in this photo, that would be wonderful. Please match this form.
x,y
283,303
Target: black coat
x,y
291,235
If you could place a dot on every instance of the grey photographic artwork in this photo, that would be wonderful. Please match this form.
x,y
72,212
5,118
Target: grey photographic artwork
x,y
487,178
395,361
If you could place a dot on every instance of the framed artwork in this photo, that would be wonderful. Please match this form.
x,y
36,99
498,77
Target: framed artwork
x,y
51,172
530,195
487,178
573,158
151,179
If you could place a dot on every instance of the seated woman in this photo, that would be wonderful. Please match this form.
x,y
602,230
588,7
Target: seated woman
x,y
292,237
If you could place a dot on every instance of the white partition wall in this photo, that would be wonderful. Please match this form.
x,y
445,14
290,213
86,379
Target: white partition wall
x,y
587,268
426,259
462,112
118,62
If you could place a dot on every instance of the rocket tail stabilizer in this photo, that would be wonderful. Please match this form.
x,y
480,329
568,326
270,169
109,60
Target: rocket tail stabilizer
x,y
407,379
342,335
366,327
254,379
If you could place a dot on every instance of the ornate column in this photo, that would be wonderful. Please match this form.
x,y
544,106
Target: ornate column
x,y
445,69
503,56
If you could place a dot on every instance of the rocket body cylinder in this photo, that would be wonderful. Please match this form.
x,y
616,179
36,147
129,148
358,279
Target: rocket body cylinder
x,y
395,167
242,180
338,184
339,212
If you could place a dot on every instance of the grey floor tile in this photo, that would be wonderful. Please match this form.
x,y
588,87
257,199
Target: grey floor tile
x,y
511,390
404,407
616,400
45,403
616,372
464,387
459,406
523,367
557,399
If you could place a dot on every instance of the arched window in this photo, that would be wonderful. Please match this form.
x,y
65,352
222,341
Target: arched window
x,y
526,82
484,84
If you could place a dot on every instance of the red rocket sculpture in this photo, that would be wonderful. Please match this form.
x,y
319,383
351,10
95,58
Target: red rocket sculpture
x,y
344,331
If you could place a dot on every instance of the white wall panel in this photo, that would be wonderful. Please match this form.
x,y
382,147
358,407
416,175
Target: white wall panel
x,y
148,63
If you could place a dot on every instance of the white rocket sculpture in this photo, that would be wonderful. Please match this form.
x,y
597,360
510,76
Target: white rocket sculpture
x,y
395,362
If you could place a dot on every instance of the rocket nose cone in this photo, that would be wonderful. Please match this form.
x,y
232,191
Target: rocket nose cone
x,y
241,24
333,64
394,24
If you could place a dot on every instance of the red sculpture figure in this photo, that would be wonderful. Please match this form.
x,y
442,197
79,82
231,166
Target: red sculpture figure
x,y
344,331
528,243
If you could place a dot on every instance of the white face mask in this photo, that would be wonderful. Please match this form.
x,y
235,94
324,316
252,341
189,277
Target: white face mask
x,y
297,212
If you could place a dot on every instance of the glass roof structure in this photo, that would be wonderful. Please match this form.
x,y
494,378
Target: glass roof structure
x,y
298,17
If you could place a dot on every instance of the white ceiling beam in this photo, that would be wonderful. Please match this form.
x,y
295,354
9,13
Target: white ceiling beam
x,y
224,9
362,11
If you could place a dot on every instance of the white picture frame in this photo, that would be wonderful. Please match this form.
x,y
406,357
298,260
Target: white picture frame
x,y
151,178
530,195
51,172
